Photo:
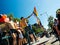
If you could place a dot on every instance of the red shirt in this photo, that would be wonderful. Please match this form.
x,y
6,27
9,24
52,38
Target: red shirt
x,y
2,19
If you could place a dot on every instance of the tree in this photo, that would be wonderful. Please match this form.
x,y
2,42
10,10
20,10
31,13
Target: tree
x,y
16,19
50,22
13,18
37,29
10,15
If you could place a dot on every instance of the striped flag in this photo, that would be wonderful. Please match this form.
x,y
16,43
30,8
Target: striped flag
x,y
35,11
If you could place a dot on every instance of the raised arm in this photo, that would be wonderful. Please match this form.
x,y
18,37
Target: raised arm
x,y
34,12
29,16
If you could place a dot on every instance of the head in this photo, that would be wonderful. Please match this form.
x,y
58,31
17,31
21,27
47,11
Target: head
x,y
55,19
22,18
58,14
15,21
10,18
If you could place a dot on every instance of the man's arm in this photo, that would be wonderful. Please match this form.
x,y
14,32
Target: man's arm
x,y
29,16
38,20
57,30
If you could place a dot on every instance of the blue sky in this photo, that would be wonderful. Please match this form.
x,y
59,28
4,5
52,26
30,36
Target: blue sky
x,y
25,7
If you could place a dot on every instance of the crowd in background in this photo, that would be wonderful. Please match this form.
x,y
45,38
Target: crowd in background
x,y
21,32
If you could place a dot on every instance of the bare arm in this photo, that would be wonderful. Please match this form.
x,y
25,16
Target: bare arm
x,y
29,16
57,30
38,20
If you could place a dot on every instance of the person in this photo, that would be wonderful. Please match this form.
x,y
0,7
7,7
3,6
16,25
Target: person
x,y
4,31
13,32
20,30
58,25
55,22
22,40
54,26
24,25
31,33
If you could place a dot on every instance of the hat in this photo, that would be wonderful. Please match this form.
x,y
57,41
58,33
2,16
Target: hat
x,y
58,11
58,14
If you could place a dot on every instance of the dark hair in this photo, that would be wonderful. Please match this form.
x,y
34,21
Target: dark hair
x,y
0,16
35,24
55,19
10,18
21,18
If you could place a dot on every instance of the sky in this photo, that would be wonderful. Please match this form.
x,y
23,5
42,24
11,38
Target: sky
x,y
24,8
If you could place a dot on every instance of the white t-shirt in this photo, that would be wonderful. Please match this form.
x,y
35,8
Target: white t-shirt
x,y
20,35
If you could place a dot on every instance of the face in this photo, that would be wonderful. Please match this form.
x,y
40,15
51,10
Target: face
x,y
23,18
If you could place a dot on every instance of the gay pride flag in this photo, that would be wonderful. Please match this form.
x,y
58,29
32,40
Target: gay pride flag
x,y
35,11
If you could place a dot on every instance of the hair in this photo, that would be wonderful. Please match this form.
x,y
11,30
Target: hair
x,y
0,16
21,18
55,19
10,18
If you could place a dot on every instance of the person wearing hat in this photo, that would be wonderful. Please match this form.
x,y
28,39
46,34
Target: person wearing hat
x,y
58,21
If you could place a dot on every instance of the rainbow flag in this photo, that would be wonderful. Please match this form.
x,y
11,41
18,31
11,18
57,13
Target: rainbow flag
x,y
35,11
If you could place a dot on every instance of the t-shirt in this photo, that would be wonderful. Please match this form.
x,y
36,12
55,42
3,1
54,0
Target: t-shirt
x,y
1,20
55,23
23,23
20,35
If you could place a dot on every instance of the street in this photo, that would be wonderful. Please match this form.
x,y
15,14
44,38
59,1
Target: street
x,y
46,41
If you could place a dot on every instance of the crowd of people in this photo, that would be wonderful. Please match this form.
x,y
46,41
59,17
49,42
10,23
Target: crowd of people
x,y
20,32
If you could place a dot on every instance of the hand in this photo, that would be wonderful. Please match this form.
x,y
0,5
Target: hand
x,y
14,36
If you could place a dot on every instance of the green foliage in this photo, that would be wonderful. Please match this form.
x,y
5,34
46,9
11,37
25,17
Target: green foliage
x,y
16,19
13,18
10,16
50,19
50,22
37,30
